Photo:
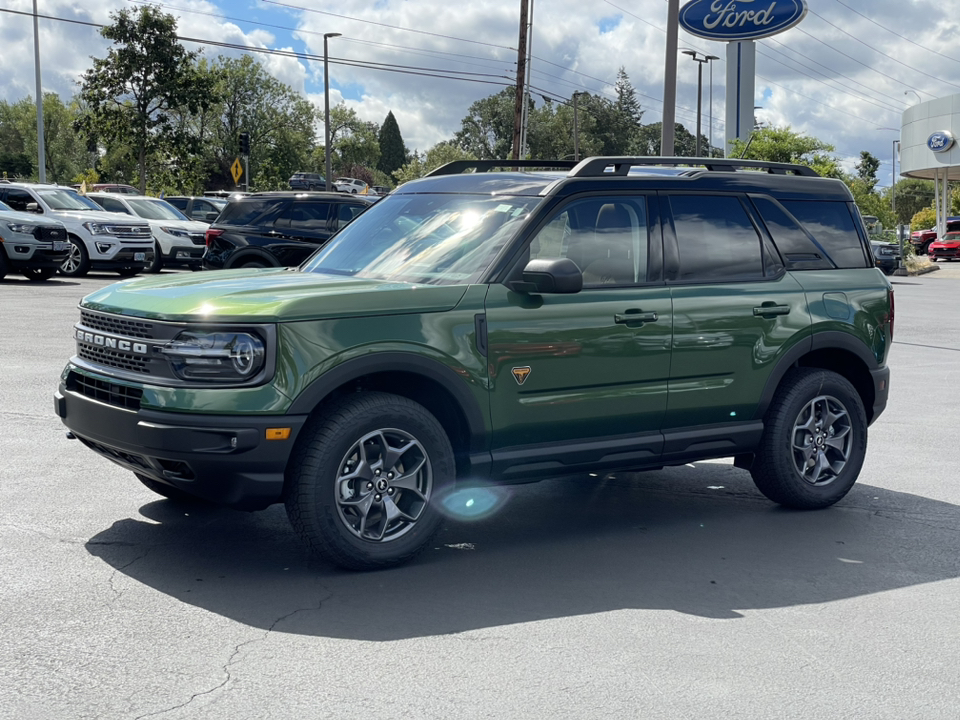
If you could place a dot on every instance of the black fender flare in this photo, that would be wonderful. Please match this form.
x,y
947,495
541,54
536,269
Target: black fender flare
x,y
830,339
392,361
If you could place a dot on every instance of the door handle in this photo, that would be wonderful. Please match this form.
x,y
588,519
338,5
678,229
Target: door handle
x,y
770,310
634,316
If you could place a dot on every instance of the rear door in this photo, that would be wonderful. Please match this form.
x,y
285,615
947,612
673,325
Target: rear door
x,y
300,228
735,309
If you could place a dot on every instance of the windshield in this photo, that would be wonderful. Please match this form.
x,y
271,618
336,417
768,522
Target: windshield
x,y
5,208
60,199
156,210
430,239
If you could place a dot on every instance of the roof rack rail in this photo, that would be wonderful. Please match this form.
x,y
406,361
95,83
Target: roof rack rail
x,y
458,166
597,166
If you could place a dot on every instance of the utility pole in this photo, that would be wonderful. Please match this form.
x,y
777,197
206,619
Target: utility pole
x,y
525,119
41,150
576,129
521,72
668,131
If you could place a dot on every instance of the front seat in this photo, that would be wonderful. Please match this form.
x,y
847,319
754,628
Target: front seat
x,y
611,252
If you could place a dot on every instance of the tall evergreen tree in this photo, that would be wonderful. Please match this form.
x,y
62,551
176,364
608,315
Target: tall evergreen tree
x,y
392,152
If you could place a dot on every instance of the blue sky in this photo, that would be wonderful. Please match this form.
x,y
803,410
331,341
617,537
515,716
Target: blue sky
x,y
841,75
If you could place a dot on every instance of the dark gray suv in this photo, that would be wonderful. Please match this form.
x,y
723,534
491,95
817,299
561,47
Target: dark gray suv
x,y
307,181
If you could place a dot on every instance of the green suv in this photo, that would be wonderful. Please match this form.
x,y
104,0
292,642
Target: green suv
x,y
502,327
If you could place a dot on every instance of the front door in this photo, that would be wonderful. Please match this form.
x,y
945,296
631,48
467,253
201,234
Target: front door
x,y
300,229
585,373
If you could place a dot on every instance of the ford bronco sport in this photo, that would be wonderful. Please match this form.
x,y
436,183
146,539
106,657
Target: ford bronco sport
x,y
617,314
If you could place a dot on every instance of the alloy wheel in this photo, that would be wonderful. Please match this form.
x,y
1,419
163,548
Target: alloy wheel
x,y
822,440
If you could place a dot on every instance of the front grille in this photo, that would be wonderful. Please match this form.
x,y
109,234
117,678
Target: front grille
x,y
130,231
49,232
115,454
198,238
113,358
121,396
116,325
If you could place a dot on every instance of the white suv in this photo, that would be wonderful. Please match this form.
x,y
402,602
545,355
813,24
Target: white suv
x,y
177,239
351,186
98,240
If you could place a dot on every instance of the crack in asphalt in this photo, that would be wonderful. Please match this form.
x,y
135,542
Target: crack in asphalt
x,y
230,661
120,568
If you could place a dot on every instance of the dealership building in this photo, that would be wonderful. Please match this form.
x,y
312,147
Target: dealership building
x,y
929,150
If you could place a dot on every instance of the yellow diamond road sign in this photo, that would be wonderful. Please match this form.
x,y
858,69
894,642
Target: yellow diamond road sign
x,y
236,170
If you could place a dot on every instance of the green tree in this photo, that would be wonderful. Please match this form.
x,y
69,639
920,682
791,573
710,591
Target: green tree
x,y
924,219
132,93
65,152
486,133
647,142
393,154
422,163
781,144
913,195
867,168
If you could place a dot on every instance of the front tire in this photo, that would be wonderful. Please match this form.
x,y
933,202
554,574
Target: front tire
x,y
814,440
77,263
157,264
363,483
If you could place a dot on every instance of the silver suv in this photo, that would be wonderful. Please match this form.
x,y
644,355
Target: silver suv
x,y
29,245
98,240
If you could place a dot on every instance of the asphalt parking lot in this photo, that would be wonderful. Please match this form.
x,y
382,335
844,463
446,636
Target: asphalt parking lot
x,y
680,593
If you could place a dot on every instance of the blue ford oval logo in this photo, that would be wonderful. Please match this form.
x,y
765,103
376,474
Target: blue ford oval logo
x,y
940,141
740,19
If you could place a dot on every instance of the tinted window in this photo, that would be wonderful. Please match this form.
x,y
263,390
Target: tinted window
x,y
304,216
798,249
179,203
18,199
346,213
715,238
247,212
606,237
831,224
111,205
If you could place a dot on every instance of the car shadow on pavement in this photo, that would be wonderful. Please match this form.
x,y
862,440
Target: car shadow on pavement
x,y
694,539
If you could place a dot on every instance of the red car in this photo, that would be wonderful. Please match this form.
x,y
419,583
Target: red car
x,y
921,239
948,247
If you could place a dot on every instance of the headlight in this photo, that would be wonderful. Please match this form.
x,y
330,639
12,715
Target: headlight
x,y
215,356
176,232
21,228
97,228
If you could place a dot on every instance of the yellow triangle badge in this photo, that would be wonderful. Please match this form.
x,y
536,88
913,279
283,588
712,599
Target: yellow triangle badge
x,y
520,374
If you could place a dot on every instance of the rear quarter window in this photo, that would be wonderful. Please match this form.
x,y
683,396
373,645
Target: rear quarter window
x,y
247,212
831,224
799,250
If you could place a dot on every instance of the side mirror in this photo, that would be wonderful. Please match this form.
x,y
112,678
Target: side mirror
x,y
32,207
550,276
211,217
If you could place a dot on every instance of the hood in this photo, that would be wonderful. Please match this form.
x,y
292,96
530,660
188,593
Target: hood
x,y
29,218
193,226
97,216
267,295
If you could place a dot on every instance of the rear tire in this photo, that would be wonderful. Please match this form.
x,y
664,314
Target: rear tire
x,y
38,274
128,271
4,263
814,440
77,263
363,484
253,264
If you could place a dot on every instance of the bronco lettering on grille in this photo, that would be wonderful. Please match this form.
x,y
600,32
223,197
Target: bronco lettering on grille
x,y
111,342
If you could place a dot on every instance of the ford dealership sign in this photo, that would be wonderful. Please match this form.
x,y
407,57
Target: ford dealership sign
x,y
727,20
940,141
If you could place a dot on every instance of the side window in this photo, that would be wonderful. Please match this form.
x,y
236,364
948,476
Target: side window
x,y
304,216
179,203
832,225
715,238
18,199
111,205
345,214
799,250
608,239
201,208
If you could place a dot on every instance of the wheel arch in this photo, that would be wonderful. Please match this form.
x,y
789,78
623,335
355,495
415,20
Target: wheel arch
x,y
838,352
426,381
250,253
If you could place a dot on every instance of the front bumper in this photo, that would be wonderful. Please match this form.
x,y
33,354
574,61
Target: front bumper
x,y
944,252
123,258
36,259
225,459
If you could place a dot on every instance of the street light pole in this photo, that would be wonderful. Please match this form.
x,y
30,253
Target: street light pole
x,y
576,129
326,109
907,92
41,150
700,62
